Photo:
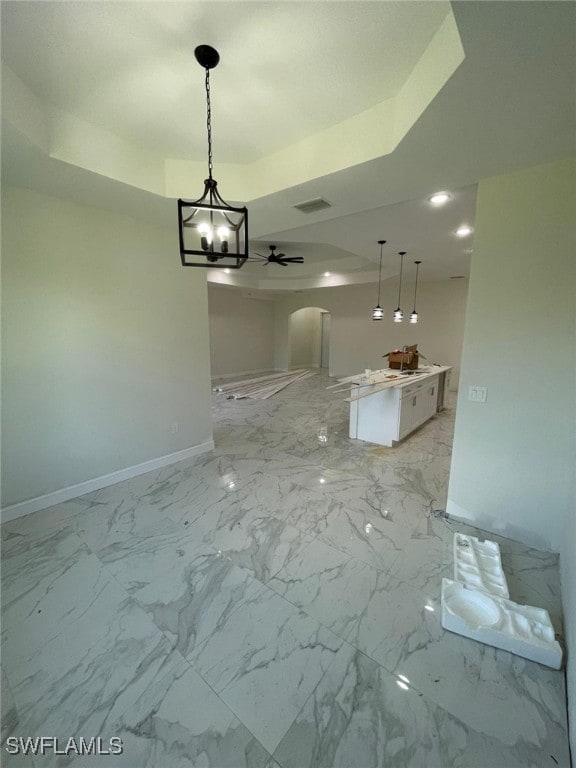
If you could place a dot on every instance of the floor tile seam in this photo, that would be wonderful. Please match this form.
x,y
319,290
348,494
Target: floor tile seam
x,y
454,712
233,710
430,702
40,541
313,692
120,714
302,609
385,571
191,666
258,585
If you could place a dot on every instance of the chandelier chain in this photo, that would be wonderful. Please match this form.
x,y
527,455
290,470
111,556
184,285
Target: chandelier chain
x,y
209,123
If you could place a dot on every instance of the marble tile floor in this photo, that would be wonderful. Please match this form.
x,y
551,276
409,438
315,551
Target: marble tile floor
x,y
271,604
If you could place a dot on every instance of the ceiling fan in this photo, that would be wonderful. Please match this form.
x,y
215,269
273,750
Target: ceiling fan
x,y
276,258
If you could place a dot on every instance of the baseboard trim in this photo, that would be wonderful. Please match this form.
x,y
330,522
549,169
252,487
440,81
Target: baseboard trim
x,y
73,491
217,377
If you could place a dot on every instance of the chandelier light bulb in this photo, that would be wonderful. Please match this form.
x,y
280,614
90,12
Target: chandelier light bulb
x,y
205,231
223,234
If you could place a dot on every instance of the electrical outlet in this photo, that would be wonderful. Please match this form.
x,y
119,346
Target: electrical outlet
x,y
477,394
174,428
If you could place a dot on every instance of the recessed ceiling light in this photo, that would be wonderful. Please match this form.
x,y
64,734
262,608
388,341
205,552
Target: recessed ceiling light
x,y
327,274
464,231
439,198
227,271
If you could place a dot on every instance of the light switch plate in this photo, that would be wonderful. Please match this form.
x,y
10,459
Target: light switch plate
x,y
477,394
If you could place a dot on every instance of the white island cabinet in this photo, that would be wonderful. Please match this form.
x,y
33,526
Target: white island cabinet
x,y
385,410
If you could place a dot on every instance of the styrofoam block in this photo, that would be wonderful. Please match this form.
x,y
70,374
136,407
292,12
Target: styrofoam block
x,y
520,629
478,565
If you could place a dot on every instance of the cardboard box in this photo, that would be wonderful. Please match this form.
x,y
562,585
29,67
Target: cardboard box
x,y
406,360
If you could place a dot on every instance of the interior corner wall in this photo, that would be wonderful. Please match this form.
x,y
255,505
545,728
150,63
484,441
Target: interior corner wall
x,y
514,456
241,332
105,351
305,336
357,342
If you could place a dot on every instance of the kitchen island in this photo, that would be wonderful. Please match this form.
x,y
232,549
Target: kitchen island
x,y
387,405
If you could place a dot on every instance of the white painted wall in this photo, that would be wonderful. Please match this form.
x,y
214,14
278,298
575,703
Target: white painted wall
x,y
514,458
513,465
241,332
304,338
568,582
357,342
105,345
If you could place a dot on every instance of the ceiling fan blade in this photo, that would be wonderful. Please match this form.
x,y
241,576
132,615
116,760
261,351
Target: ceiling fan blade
x,y
294,259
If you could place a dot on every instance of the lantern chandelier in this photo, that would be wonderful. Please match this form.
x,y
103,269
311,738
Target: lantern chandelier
x,y
212,233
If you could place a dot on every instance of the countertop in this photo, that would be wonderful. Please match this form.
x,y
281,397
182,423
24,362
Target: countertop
x,y
394,377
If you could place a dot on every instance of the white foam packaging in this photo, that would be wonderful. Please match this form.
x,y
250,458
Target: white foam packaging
x,y
476,604
478,565
520,629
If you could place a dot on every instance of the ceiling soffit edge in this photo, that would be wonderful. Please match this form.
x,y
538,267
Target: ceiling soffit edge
x,y
370,134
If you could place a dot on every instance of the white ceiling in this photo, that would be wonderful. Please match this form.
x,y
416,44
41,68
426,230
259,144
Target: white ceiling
x,y
289,70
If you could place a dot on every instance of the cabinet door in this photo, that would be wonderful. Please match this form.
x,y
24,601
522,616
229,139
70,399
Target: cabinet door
x,y
432,398
405,416
421,407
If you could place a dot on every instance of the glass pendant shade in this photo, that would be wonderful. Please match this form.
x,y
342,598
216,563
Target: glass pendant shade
x,y
378,312
398,315
414,317
212,232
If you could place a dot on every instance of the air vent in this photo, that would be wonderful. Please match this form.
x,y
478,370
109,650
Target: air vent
x,y
457,277
311,206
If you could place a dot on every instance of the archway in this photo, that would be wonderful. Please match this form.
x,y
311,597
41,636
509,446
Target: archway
x,y
309,338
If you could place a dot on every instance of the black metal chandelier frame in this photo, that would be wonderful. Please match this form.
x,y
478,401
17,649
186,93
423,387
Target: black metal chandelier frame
x,y
201,222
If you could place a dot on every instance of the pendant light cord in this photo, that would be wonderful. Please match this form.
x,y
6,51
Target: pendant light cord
x,y
380,276
416,283
209,123
400,284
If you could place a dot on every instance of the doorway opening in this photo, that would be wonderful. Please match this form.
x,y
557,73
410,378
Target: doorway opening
x,y
308,338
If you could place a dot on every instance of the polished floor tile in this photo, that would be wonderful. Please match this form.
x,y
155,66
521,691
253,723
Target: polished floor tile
x,y
273,603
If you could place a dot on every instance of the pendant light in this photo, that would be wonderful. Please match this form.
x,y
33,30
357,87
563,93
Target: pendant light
x,y
378,312
398,314
210,229
414,315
